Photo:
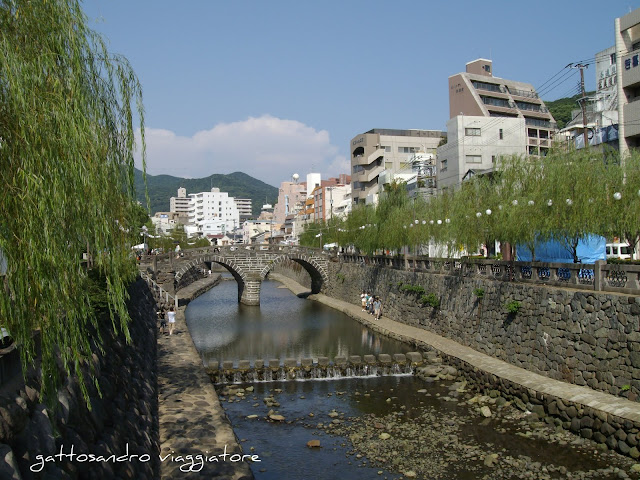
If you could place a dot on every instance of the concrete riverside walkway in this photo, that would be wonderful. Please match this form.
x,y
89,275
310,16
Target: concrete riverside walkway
x,y
585,396
192,421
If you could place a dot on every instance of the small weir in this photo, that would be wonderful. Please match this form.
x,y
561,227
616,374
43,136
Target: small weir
x,y
290,369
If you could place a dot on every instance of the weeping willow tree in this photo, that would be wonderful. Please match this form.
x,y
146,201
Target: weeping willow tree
x,y
67,141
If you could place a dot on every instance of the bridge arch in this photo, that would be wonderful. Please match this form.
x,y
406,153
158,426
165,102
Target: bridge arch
x,y
316,271
243,278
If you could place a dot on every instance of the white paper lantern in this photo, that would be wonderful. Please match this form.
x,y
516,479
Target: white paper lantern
x,y
617,195
488,211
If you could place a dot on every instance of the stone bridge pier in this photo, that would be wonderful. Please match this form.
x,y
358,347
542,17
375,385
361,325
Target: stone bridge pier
x,y
249,290
248,264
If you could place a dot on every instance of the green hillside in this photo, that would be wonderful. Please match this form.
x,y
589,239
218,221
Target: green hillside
x,y
561,108
163,187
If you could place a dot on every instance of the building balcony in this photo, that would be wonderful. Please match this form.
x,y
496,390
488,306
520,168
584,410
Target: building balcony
x,y
529,95
368,159
632,118
368,175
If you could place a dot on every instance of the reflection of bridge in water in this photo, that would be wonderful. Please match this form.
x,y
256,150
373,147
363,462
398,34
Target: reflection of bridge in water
x,y
248,264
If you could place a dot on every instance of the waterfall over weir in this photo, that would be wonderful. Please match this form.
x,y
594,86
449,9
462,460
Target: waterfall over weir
x,y
307,369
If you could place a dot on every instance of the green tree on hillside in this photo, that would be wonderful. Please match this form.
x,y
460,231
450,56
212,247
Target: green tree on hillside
x,y
67,110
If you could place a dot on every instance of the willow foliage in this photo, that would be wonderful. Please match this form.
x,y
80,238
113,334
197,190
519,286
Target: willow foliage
x,y
66,170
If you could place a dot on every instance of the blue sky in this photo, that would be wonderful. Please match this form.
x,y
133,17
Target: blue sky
x,y
280,87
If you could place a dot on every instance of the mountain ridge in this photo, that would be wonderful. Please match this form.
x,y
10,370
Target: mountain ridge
x,y
237,184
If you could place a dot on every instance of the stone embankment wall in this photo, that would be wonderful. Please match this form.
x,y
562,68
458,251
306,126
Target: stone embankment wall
x,y
581,337
123,421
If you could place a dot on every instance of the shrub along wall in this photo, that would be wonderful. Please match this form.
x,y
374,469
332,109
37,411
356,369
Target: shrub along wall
x,y
581,337
124,421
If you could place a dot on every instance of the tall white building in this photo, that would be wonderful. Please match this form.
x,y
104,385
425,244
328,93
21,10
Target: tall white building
x,y
209,213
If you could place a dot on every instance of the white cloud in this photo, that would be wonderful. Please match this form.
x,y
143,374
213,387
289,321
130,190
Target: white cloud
x,y
267,148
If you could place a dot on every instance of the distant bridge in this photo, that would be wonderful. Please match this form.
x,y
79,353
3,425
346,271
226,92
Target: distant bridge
x,y
249,265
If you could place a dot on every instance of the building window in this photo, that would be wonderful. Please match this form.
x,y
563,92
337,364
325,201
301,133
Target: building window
x,y
407,149
387,148
496,102
472,132
612,59
487,68
443,166
501,133
473,158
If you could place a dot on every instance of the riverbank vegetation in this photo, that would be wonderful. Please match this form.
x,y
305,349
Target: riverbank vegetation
x,y
565,196
67,114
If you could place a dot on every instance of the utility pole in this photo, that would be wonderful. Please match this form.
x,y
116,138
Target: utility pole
x,y
583,103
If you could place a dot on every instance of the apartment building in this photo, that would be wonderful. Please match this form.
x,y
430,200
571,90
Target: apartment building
x,y
474,145
180,204
244,208
291,197
490,117
476,92
627,45
209,213
380,150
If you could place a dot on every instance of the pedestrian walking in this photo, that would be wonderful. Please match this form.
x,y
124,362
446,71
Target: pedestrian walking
x,y
171,316
377,308
163,319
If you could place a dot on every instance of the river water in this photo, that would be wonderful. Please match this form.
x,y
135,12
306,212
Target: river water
x,y
389,427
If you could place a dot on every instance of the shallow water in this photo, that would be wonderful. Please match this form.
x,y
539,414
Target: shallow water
x,y
432,432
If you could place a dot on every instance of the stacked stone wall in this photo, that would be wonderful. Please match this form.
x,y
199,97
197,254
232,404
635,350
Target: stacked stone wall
x,y
577,336
123,419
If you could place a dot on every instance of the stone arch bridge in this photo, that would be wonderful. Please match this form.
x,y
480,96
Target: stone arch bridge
x,y
249,265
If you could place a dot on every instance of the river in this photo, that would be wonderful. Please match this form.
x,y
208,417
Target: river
x,y
369,428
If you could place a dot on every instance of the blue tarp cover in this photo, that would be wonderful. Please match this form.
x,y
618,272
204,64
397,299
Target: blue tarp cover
x,y
589,250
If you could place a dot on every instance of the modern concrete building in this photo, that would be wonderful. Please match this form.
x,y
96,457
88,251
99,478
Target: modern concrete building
x,y
179,204
244,208
476,92
209,213
627,51
380,149
291,197
326,198
474,145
